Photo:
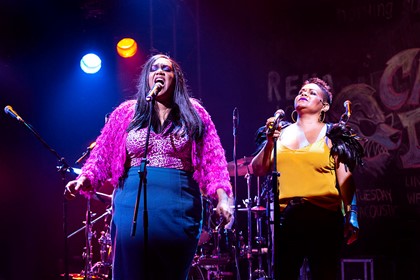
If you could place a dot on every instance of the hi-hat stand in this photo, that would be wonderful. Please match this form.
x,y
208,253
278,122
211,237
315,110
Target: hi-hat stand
x,y
249,227
88,237
102,268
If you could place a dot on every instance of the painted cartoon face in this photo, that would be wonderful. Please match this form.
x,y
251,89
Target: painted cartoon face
x,y
370,123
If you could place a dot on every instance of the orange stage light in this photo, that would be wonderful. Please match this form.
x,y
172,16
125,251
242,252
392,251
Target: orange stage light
x,y
127,47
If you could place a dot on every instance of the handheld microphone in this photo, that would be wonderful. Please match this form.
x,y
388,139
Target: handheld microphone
x,y
154,91
86,153
9,110
278,115
347,105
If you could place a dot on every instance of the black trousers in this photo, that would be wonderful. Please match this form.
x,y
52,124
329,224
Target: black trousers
x,y
309,231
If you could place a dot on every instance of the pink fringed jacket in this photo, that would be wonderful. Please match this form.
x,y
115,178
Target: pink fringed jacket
x,y
107,159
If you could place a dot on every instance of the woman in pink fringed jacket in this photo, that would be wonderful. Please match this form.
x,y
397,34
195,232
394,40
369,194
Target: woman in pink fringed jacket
x,y
184,161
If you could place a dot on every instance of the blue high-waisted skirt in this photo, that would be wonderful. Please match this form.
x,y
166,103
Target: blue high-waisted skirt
x,y
174,225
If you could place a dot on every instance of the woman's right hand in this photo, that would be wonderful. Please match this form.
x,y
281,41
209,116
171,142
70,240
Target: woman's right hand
x,y
270,130
75,186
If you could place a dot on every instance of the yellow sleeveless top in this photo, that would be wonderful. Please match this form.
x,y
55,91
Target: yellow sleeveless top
x,y
307,172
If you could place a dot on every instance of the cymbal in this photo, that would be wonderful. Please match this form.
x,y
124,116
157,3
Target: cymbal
x,y
254,209
74,170
258,209
103,197
242,165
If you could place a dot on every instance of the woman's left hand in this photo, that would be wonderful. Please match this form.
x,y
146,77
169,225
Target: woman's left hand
x,y
351,227
223,208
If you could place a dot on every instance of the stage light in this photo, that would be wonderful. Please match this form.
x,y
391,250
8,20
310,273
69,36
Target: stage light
x,y
127,47
90,63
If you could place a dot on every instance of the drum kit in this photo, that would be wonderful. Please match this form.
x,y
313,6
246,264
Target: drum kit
x,y
221,247
102,269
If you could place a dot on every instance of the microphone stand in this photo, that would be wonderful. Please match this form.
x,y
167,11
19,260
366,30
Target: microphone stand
x,y
235,141
270,236
275,190
142,184
63,169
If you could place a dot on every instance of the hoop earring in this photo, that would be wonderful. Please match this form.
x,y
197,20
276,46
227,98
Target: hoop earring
x,y
322,116
293,119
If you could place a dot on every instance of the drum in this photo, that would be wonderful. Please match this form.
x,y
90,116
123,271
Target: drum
x,y
225,246
219,250
206,232
82,276
196,273
226,242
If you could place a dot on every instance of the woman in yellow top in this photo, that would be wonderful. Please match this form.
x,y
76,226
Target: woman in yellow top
x,y
315,185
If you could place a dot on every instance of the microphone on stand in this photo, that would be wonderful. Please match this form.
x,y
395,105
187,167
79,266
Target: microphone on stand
x,y
9,110
347,105
346,116
86,153
278,116
155,90
235,120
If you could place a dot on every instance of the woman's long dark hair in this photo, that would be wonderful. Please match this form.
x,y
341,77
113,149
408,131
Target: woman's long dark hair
x,y
184,117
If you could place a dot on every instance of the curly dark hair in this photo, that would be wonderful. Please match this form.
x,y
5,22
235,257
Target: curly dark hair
x,y
326,89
